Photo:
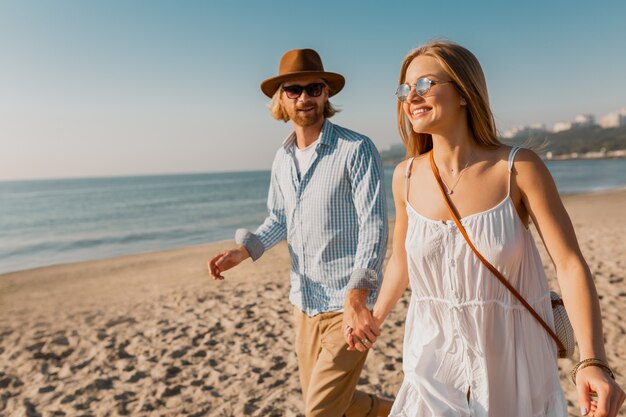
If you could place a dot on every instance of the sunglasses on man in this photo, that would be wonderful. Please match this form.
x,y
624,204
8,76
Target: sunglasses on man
x,y
312,90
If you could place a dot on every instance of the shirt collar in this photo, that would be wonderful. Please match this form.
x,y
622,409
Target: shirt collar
x,y
327,136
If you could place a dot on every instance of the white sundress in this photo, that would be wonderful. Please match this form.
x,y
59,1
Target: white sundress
x,y
465,330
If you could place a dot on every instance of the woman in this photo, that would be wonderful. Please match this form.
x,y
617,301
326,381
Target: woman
x,y
471,349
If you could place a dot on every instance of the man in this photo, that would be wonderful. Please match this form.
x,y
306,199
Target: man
x,y
326,198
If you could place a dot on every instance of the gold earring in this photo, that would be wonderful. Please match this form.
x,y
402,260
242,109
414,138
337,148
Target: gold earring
x,y
463,102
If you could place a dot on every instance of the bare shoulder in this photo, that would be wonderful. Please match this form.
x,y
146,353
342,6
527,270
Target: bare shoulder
x,y
528,162
419,161
398,183
496,155
531,172
399,172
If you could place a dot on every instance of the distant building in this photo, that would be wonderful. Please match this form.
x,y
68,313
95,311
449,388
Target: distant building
x,y
561,126
584,120
511,133
615,119
524,130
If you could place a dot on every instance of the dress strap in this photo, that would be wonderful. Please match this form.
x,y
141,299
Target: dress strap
x,y
407,175
511,159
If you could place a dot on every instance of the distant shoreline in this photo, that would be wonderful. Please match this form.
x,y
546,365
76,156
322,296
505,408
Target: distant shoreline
x,y
574,156
609,194
618,154
75,220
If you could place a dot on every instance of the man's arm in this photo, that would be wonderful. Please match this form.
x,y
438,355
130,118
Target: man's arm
x,y
274,228
223,261
369,200
253,245
368,196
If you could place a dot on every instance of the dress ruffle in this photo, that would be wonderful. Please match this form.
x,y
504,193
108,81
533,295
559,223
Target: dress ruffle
x,y
409,403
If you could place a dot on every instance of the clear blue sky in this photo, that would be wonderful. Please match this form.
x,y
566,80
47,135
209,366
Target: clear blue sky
x,y
98,88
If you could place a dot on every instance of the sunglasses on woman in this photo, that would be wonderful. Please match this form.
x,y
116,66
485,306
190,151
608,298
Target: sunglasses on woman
x,y
422,87
312,90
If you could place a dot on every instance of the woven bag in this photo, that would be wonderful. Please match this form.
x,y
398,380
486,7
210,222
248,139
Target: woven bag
x,y
563,334
562,326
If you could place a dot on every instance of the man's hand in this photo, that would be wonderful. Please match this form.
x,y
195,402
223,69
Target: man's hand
x,y
223,261
360,328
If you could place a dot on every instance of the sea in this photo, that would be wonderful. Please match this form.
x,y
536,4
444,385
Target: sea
x,y
56,221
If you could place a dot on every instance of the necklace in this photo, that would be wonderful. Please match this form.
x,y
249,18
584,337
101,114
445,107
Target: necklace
x,y
450,190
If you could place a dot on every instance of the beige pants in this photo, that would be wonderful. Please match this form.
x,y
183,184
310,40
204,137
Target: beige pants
x,y
328,372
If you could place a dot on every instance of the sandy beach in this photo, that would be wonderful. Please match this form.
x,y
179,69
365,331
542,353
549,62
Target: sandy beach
x,y
153,335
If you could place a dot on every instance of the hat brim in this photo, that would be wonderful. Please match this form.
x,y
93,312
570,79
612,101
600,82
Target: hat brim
x,y
335,81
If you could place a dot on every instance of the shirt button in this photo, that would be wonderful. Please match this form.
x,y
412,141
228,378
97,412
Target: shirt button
x,y
452,262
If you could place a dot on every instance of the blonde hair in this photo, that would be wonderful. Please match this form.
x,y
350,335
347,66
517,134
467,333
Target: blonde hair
x,y
469,79
278,113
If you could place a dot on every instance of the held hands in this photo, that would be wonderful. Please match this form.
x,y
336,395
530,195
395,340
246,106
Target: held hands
x,y
360,329
606,396
223,261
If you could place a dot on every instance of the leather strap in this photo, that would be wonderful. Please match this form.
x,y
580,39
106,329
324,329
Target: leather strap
x,y
492,268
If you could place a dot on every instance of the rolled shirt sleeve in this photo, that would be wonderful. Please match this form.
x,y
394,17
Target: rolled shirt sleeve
x,y
252,243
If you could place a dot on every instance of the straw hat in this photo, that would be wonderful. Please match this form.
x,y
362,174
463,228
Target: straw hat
x,y
299,63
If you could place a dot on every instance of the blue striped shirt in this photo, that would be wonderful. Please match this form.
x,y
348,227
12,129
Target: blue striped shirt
x,y
334,218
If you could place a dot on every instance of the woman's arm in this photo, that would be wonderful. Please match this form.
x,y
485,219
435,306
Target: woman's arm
x,y
394,281
396,277
541,199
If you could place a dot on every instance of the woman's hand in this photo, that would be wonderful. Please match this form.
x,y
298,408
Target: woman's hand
x,y
352,341
359,328
610,396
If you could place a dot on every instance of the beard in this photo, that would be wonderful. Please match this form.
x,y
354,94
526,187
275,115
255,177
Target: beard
x,y
308,118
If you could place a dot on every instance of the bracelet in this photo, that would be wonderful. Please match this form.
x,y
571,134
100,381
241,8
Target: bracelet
x,y
590,362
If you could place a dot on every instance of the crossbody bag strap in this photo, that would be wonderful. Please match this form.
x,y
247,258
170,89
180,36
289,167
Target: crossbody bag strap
x,y
492,268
